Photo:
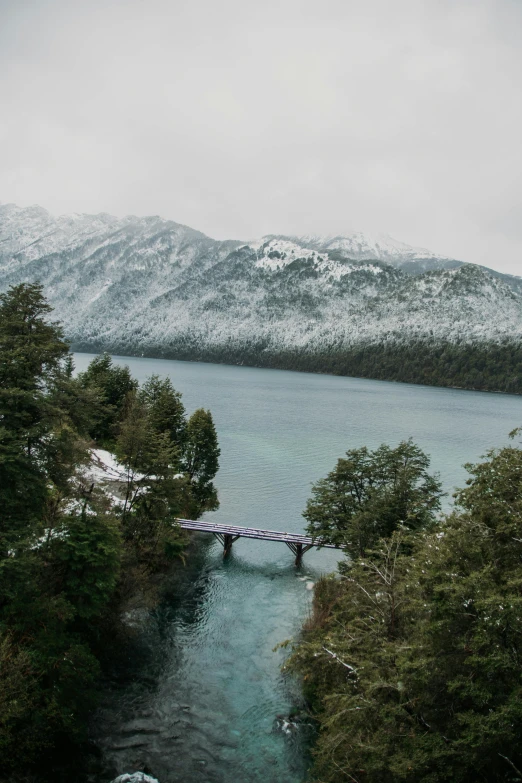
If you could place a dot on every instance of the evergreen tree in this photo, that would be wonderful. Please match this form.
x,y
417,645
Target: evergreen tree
x,y
49,574
466,672
201,460
154,493
412,657
110,384
31,353
165,410
350,656
70,551
370,493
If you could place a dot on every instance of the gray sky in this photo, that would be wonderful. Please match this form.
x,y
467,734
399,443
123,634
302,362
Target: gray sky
x,y
243,118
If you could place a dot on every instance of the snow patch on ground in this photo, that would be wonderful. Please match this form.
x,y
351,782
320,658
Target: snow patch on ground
x,y
105,467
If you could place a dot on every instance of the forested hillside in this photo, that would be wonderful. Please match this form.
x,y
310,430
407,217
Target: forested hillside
x,y
411,658
80,543
343,305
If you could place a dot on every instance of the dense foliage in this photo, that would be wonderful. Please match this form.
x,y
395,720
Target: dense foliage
x,y
76,549
494,366
369,494
411,660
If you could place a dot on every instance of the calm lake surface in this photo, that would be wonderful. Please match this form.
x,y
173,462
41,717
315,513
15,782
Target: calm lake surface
x,y
206,689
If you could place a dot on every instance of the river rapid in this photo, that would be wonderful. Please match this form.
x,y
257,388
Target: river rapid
x,y
202,698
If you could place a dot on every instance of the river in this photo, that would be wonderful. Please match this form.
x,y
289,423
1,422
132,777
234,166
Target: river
x,y
203,687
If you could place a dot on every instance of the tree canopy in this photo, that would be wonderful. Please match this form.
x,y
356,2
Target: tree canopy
x,y
412,657
370,493
73,547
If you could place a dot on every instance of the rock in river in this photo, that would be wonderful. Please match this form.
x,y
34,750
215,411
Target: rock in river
x,y
135,777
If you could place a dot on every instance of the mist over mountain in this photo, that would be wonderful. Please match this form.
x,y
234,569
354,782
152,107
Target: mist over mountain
x,y
149,286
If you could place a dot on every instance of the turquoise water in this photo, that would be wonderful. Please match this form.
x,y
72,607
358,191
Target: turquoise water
x,y
207,690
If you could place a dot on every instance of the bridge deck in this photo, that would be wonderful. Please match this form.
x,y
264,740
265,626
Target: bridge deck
x,y
252,532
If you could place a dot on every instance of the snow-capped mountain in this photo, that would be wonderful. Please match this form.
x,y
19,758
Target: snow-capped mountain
x,y
151,286
381,247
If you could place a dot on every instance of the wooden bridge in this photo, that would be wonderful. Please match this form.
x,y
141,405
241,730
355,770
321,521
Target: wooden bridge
x,y
227,534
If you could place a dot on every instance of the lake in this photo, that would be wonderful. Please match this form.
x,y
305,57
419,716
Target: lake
x,y
206,689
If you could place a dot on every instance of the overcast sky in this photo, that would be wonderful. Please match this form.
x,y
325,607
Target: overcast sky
x,y
244,118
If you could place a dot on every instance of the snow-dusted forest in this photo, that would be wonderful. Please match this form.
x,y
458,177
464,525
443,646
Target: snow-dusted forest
x,y
154,287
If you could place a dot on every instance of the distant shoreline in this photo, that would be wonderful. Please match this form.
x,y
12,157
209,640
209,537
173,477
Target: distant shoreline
x,y
155,354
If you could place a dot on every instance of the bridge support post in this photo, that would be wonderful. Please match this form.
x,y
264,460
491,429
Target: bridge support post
x,y
227,539
227,545
298,550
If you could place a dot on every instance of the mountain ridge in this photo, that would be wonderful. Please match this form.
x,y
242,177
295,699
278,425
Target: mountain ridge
x,y
357,245
152,286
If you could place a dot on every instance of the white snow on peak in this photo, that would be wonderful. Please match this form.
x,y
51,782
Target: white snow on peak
x,y
362,246
277,252
134,285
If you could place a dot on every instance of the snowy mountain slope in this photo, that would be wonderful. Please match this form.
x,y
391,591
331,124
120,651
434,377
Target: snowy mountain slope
x,y
362,247
148,285
32,242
